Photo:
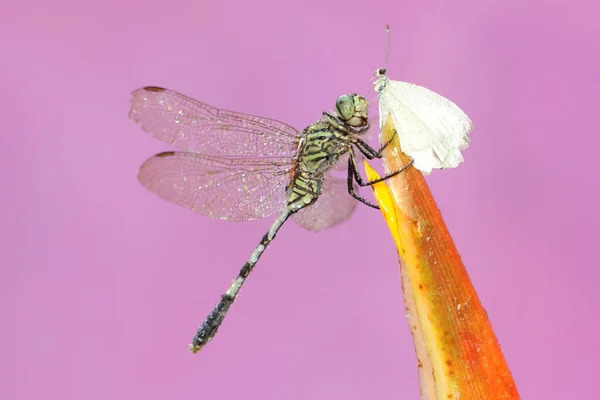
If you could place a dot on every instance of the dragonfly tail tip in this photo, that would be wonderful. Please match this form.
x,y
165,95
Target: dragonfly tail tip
x,y
195,348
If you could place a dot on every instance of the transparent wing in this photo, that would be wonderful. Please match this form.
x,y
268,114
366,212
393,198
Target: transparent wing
x,y
191,125
341,165
235,189
333,206
340,168
432,129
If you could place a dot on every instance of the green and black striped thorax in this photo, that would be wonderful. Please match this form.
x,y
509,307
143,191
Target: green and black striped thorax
x,y
321,145
323,142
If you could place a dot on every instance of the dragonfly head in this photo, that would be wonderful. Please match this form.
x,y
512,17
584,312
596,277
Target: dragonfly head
x,y
353,109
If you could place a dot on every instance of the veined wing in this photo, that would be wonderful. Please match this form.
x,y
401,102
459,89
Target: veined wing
x,y
433,130
191,125
236,189
341,165
332,207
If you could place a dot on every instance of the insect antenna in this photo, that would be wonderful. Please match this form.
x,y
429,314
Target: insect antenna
x,y
387,46
376,76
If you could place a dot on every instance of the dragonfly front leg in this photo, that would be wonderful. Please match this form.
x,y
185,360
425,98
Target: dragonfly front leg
x,y
354,169
370,152
334,119
343,125
362,129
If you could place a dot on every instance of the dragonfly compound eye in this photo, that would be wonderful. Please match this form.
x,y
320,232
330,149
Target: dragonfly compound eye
x,y
344,106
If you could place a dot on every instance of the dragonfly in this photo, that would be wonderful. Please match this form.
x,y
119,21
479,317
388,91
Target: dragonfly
x,y
241,167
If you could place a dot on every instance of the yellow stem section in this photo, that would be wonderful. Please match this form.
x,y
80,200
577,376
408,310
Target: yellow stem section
x,y
458,354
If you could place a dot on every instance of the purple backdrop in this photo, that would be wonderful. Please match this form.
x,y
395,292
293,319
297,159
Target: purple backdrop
x,y
102,284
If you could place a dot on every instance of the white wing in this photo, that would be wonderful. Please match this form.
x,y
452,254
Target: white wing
x,y
431,128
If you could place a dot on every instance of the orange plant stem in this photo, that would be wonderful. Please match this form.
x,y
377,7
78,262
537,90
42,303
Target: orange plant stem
x,y
458,353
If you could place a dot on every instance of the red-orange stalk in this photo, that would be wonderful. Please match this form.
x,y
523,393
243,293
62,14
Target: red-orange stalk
x,y
458,354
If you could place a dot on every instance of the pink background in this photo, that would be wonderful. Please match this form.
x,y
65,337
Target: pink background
x,y
102,284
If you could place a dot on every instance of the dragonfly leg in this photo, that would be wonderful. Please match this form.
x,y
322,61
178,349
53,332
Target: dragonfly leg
x,y
362,129
344,126
351,172
352,167
370,152
333,117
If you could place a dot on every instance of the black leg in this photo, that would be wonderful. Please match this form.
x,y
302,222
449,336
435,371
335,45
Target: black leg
x,y
351,186
354,168
341,123
370,152
333,117
362,129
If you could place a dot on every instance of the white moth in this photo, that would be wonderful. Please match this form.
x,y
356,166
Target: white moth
x,y
432,129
